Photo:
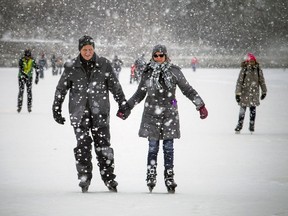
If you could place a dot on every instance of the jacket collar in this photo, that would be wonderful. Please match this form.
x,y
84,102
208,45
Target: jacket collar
x,y
94,57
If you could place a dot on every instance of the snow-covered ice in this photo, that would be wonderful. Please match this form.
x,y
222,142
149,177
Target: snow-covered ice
x,y
218,172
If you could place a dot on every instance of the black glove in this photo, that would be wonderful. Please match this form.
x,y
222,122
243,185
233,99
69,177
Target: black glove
x,y
263,96
57,115
124,111
36,80
238,98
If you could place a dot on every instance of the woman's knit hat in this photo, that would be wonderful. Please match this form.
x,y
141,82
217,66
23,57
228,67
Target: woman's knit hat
x,y
159,48
250,57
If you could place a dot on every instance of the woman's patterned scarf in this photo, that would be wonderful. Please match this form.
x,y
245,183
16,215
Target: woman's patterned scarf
x,y
162,69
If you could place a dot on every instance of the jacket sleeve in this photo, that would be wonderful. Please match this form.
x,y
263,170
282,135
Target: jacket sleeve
x,y
188,90
36,66
240,81
262,81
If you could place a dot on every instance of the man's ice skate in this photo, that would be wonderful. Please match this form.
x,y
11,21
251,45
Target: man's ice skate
x,y
19,109
169,181
84,183
151,179
112,185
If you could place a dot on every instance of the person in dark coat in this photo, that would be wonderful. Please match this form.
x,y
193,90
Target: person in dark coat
x,y
117,65
160,120
140,64
42,64
89,79
25,77
53,64
247,92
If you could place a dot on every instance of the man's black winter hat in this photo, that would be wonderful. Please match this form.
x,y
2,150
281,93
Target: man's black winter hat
x,y
86,40
159,48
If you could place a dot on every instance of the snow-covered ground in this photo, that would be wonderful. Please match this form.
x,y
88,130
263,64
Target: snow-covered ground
x,y
218,172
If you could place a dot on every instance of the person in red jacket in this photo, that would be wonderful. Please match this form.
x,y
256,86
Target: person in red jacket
x,y
194,63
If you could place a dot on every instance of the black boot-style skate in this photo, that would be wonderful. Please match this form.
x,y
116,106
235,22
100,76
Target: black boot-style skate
x,y
251,127
151,178
169,180
111,185
84,183
238,128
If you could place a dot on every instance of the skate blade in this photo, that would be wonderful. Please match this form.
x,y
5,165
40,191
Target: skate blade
x,y
85,189
237,132
150,189
112,189
171,190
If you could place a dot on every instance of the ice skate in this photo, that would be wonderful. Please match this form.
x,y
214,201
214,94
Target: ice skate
x,y
169,181
84,184
238,128
151,179
112,185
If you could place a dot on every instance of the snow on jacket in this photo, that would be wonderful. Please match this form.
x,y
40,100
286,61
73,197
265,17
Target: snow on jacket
x,y
249,82
89,92
160,120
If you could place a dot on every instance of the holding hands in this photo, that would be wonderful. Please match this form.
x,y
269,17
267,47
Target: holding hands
x,y
124,110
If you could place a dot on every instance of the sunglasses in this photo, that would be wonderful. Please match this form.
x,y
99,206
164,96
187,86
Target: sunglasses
x,y
160,55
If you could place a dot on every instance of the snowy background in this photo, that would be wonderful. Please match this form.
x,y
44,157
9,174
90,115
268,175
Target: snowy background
x,y
218,172
218,32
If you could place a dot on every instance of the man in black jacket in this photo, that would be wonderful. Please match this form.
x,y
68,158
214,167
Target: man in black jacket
x,y
89,79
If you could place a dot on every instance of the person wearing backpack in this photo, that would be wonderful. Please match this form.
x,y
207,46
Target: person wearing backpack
x,y
247,92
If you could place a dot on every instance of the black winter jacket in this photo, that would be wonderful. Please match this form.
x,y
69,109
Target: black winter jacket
x,y
89,92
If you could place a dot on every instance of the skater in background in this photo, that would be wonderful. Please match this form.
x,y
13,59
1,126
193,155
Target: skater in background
x,y
53,64
117,65
25,77
160,119
59,65
194,63
247,92
89,80
42,64
132,74
140,64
